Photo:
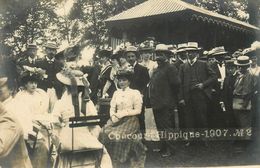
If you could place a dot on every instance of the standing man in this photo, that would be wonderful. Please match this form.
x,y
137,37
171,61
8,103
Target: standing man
x,y
197,78
31,59
140,78
164,86
51,84
13,152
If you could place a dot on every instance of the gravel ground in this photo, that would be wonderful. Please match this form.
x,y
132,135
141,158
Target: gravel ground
x,y
216,153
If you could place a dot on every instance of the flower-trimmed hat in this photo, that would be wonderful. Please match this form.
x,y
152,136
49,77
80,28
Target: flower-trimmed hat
x,y
32,74
243,61
125,73
105,52
69,76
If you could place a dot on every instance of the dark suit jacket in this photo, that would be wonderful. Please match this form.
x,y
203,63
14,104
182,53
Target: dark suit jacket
x,y
52,68
140,78
164,87
204,73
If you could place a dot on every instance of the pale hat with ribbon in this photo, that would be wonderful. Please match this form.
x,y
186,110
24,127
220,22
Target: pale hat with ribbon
x,y
192,46
181,47
219,51
51,45
131,49
3,81
243,61
71,77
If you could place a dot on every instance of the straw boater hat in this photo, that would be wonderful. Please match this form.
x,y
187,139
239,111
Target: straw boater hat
x,y
243,61
71,77
192,46
51,45
181,47
219,51
3,81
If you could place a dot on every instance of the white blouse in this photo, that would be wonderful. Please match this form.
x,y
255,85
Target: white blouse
x,y
126,102
64,108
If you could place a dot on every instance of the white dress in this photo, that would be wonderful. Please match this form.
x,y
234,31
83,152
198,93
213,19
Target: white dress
x,y
31,107
84,137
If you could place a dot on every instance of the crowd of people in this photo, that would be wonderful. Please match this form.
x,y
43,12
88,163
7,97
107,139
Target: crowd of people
x,y
186,87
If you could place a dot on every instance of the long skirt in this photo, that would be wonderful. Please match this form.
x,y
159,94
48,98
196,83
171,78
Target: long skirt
x,y
123,139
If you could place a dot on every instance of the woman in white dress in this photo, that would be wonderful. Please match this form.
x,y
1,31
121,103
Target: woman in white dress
x,y
121,135
33,105
84,137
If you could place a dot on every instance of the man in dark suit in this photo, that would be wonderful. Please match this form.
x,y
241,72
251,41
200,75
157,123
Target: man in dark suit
x,y
30,59
140,78
52,67
197,78
164,90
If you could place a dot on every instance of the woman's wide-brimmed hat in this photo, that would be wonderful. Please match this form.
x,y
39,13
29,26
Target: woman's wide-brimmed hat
x,y
243,61
71,77
32,74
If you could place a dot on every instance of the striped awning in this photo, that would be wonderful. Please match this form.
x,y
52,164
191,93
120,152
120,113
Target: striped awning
x,y
152,8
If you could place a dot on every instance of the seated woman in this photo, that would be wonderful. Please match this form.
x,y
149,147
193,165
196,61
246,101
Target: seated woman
x,y
75,102
121,135
33,105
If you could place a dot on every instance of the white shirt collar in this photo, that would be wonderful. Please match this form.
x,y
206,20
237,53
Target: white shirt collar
x,y
48,59
193,61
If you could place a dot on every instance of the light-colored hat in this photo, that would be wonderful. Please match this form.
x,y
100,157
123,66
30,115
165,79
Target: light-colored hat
x,y
219,51
3,81
51,45
161,47
131,49
181,47
243,61
192,46
71,77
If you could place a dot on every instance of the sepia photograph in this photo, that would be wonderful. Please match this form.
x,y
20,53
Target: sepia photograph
x,y
129,83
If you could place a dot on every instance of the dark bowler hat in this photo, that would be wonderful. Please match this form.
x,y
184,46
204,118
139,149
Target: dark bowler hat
x,y
243,61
